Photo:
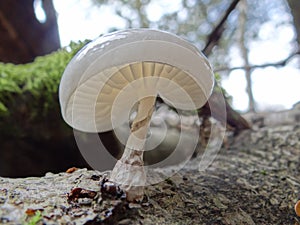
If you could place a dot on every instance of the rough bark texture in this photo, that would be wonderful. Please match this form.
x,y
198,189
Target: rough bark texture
x,y
255,181
22,36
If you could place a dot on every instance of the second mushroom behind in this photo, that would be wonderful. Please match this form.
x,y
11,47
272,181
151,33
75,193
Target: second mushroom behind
x,y
119,70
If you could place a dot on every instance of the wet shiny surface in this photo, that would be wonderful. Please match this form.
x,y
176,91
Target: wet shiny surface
x,y
131,64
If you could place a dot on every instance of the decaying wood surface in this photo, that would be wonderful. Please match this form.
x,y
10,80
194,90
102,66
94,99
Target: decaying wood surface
x,y
255,181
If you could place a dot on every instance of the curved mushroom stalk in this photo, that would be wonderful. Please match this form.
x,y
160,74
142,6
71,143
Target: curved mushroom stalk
x,y
128,65
129,171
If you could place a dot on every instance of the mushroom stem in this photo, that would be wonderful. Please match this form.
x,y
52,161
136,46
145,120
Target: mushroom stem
x,y
129,171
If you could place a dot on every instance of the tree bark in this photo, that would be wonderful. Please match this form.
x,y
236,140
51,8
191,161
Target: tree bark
x,y
255,181
22,36
295,11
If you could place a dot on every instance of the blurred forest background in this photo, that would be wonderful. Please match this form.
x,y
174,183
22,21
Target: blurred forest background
x,y
241,38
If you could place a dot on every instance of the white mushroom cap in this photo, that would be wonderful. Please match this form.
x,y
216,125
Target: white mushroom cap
x,y
111,73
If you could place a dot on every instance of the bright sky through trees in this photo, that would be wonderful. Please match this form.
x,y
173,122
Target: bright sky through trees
x,y
273,88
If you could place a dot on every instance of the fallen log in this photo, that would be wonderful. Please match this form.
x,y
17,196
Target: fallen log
x,y
255,181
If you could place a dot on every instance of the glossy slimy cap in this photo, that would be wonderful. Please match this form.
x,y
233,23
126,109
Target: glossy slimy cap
x,y
106,77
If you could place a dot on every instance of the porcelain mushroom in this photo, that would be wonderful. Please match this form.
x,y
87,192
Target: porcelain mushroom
x,y
128,68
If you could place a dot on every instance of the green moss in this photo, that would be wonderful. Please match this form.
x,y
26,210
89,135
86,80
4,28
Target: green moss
x,y
29,93
40,78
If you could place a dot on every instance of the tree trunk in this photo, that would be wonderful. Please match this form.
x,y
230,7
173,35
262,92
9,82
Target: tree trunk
x,y
22,36
295,11
244,51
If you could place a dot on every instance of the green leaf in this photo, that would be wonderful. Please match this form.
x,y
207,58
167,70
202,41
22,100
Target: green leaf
x,y
35,219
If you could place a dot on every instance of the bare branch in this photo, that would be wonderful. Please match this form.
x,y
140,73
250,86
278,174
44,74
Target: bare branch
x,y
275,64
216,34
232,118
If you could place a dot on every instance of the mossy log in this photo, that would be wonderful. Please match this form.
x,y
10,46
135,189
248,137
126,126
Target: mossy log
x,y
33,135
